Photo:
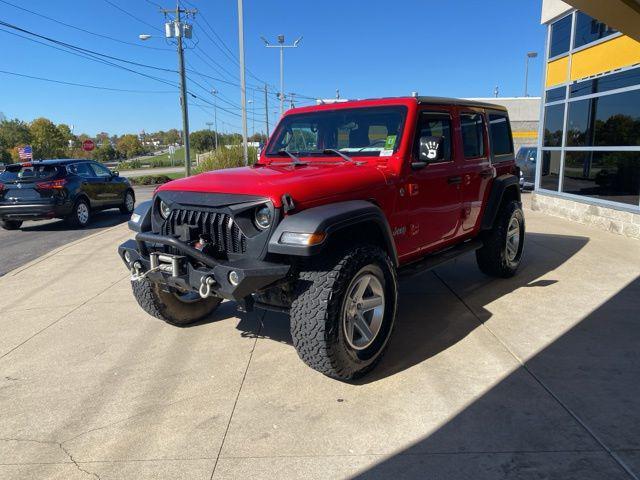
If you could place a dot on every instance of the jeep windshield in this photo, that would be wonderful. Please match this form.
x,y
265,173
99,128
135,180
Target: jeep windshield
x,y
374,131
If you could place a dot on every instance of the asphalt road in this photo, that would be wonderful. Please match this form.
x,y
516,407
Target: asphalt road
x,y
35,239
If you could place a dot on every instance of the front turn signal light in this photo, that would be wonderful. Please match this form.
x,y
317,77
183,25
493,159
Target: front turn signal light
x,y
306,239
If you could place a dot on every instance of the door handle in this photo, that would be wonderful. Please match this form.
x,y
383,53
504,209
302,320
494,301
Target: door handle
x,y
455,180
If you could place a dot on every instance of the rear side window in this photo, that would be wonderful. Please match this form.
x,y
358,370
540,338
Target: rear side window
x,y
500,131
436,125
27,173
472,127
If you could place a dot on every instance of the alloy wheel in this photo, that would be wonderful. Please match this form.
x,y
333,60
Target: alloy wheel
x,y
83,213
363,312
513,239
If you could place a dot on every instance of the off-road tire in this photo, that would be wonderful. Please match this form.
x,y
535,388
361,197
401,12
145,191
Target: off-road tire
x,y
317,311
125,208
492,258
74,218
168,307
11,224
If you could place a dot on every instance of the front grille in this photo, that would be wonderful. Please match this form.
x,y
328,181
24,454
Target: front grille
x,y
219,227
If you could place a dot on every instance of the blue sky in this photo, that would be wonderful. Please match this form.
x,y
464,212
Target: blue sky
x,y
366,48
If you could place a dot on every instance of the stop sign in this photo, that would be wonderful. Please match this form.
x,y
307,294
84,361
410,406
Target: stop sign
x,y
88,145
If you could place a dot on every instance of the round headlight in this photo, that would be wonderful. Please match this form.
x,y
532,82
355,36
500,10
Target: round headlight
x,y
263,217
165,210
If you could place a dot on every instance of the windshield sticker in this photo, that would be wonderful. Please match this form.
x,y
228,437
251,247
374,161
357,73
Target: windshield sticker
x,y
390,143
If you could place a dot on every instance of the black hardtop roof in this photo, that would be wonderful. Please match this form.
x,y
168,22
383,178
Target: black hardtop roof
x,y
462,102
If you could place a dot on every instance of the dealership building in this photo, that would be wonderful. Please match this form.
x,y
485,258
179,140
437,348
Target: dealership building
x,y
588,165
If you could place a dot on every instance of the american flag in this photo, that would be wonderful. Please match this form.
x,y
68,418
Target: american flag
x,y
25,153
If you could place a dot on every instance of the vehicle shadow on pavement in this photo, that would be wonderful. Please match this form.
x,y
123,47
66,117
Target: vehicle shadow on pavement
x,y
104,219
431,317
549,418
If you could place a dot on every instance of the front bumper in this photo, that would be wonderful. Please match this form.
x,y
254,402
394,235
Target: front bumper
x,y
252,275
34,211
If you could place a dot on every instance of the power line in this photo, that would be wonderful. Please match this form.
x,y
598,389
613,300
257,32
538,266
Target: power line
x,y
92,58
85,50
84,85
81,29
157,29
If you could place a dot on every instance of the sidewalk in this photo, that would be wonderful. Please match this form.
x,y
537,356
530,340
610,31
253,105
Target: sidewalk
x,y
533,377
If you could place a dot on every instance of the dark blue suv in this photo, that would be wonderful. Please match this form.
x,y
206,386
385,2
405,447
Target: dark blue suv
x,y
69,189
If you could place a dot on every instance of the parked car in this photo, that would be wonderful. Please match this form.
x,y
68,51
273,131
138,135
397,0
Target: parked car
x,y
345,197
69,189
526,161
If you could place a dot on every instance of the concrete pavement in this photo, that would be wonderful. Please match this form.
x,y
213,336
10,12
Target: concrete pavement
x,y
533,377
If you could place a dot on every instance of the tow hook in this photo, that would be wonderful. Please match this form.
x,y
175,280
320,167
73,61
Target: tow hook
x,y
206,282
136,268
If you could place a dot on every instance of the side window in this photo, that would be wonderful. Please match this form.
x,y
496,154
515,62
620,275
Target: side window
x,y
82,170
435,125
472,128
500,131
101,171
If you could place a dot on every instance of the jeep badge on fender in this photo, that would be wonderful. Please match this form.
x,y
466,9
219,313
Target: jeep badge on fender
x,y
306,230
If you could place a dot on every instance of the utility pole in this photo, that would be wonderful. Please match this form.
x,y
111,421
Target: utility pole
x,y
243,85
281,46
266,109
526,72
214,92
177,29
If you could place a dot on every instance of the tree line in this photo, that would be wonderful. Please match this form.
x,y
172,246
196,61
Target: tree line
x,y
49,140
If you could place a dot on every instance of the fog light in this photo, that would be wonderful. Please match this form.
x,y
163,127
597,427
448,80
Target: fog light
x,y
127,256
234,278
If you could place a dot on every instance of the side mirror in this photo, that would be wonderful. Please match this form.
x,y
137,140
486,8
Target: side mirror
x,y
430,151
115,173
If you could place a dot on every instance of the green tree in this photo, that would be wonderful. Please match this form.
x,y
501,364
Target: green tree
x,y
103,137
130,146
105,153
202,140
47,140
13,133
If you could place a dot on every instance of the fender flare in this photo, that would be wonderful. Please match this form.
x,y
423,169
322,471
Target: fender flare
x,y
141,217
498,189
331,219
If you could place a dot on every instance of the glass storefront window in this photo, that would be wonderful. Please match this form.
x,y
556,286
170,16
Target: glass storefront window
x,y
555,94
607,121
550,170
628,78
588,30
553,125
613,176
560,37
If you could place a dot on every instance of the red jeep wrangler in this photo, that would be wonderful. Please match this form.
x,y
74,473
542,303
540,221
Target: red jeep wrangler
x,y
343,199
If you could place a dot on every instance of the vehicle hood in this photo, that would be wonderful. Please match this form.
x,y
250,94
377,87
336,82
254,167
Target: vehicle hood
x,y
306,184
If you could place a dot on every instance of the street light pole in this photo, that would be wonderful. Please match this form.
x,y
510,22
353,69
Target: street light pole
x,y
526,72
214,92
266,109
281,46
243,85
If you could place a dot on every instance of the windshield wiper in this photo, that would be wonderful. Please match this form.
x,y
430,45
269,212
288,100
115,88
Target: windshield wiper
x,y
294,158
329,151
